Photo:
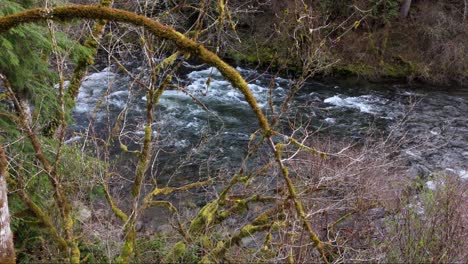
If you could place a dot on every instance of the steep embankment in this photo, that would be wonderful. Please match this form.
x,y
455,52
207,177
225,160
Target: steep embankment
x,y
369,39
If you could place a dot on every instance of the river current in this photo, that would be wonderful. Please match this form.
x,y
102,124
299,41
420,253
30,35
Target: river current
x,y
218,125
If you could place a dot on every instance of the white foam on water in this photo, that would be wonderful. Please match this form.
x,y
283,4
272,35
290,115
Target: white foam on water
x,y
82,107
219,89
175,94
103,76
182,143
92,89
463,174
256,89
243,70
119,93
410,93
365,103
330,120
211,71
193,124
118,103
72,139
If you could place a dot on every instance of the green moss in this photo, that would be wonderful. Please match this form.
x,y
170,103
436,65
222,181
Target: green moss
x,y
205,242
395,70
262,219
205,217
241,206
127,250
75,254
215,253
176,253
150,250
366,70
358,68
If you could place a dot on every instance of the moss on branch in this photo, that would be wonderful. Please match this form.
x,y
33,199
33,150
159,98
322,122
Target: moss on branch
x,y
67,13
207,214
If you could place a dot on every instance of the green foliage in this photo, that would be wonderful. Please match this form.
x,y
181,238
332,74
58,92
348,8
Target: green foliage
x,y
22,228
159,250
151,250
25,56
191,255
385,10
336,9
31,239
25,49
93,252
177,251
78,172
97,192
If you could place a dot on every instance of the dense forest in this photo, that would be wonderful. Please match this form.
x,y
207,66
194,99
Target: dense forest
x,y
212,131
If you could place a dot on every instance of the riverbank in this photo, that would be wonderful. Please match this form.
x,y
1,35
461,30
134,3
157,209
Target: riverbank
x,y
429,46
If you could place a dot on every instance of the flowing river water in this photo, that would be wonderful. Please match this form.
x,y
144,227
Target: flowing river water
x,y
215,130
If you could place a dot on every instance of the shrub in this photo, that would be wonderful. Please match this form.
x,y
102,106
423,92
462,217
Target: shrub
x,y
431,226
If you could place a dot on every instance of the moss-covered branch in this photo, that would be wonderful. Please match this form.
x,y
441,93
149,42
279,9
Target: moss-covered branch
x,y
91,43
59,194
260,223
184,44
242,205
168,190
67,13
117,211
40,214
297,203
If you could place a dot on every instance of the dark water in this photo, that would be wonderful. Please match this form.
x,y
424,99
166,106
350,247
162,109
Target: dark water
x,y
433,123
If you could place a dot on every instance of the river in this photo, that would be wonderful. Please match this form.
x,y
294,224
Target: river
x,y
215,130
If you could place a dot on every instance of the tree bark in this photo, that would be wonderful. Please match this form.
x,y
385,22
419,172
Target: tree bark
x,y
7,249
465,12
405,8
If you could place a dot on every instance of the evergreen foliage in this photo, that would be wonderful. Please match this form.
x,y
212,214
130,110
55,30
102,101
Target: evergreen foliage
x,y
25,59
25,49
